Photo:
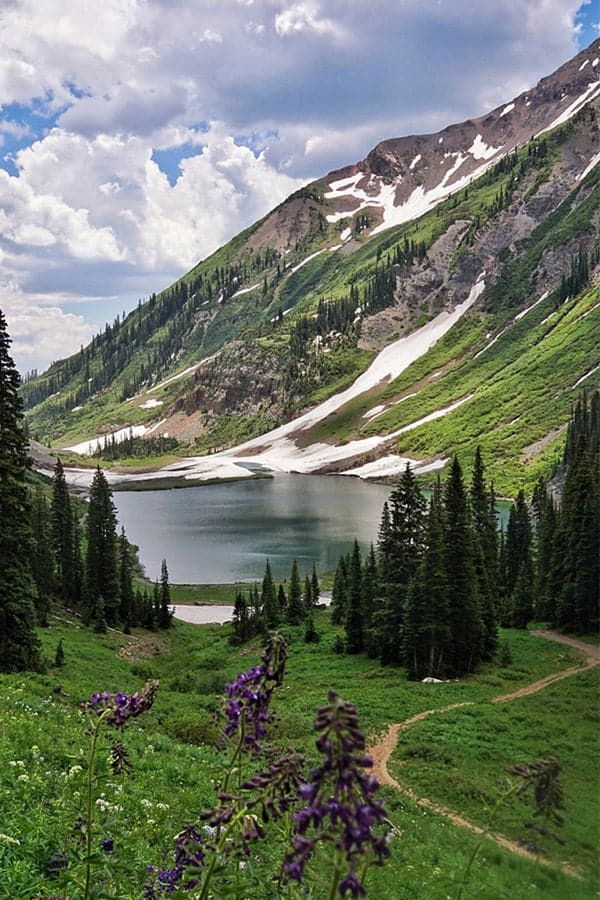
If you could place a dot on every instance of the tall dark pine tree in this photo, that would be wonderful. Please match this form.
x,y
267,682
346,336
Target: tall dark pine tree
x,y
339,592
427,636
126,611
315,586
101,577
354,614
295,610
271,612
401,545
62,535
164,612
41,561
370,604
465,615
545,528
483,521
518,554
19,646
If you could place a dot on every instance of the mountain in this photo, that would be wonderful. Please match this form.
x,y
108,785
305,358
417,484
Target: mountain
x,y
440,293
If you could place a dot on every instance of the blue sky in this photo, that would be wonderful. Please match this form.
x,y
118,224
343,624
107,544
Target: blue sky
x,y
132,149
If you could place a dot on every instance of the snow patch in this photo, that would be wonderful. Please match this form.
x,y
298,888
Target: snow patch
x,y
480,150
524,312
346,234
245,290
151,403
587,375
375,411
595,62
183,374
392,465
76,408
87,448
343,186
335,247
590,92
307,260
415,161
507,109
583,65
592,163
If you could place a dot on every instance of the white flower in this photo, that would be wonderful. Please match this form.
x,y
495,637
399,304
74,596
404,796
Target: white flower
x,y
162,806
146,803
23,777
75,770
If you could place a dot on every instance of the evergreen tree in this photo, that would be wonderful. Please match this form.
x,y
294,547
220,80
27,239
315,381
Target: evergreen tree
x,y
126,612
465,616
308,600
62,535
519,563
295,611
522,596
19,646
78,568
354,616
101,576
483,523
339,591
427,637
315,586
164,613
270,607
370,604
401,546
41,560
311,635
281,601
545,527
239,631
59,656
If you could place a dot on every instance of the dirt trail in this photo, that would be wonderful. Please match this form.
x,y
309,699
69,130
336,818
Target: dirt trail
x,y
383,749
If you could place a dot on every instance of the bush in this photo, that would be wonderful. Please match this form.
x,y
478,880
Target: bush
x,y
188,728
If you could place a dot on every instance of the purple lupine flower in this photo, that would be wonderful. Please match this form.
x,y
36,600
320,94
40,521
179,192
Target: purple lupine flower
x,y
277,785
124,706
108,845
339,801
58,861
250,694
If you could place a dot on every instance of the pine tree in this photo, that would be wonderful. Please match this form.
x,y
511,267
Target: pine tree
x,y
519,563
465,616
427,638
19,646
354,615
59,656
315,586
165,619
41,560
401,546
339,591
268,599
295,611
101,577
308,601
281,601
483,523
370,604
126,613
62,535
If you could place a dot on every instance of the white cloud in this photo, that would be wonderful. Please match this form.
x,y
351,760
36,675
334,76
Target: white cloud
x,y
316,83
40,333
305,17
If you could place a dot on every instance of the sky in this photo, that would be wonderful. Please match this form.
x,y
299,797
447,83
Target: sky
x,y
137,136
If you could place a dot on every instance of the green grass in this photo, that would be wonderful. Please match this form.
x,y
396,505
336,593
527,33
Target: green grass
x,y
175,761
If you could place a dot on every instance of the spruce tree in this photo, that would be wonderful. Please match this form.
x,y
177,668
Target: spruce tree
x,y
354,615
101,576
401,546
427,638
19,646
295,610
268,598
308,601
281,601
339,592
519,563
164,614
126,612
62,535
315,586
465,616
41,560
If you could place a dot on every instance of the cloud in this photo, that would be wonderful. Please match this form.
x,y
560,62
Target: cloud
x,y
87,213
40,333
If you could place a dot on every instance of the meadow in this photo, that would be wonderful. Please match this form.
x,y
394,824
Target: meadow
x,y
458,758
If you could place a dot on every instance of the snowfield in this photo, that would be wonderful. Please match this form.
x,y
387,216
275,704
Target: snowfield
x,y
277,451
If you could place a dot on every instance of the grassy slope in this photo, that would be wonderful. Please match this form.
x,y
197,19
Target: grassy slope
x,y
427,858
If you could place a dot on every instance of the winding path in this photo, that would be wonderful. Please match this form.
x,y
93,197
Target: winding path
x,y
383,750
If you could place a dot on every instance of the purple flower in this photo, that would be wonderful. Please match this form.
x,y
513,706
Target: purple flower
x,y
339,802
124,706
250,695
108,845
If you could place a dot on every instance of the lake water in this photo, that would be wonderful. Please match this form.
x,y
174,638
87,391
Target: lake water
x,y
222,533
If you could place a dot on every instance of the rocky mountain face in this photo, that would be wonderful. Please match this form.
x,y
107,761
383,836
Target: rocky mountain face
x,y
292,310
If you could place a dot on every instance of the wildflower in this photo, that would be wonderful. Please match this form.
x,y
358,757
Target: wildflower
x,y
147,804
120,762
23,777
58,861
7,839
124,706
250,694
278,785
108,845
339,799
75,770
